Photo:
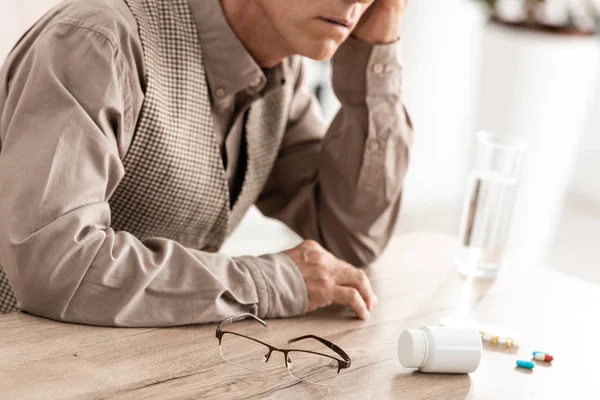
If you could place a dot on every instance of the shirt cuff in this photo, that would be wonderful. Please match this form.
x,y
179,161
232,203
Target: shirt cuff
x,y
362,70
279,285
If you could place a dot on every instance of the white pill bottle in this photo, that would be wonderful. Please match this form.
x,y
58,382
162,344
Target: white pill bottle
x,y
439,349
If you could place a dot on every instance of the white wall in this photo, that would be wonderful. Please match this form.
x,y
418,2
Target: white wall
x,y
440,39
442,43
9,26
586,178
16,16
537,87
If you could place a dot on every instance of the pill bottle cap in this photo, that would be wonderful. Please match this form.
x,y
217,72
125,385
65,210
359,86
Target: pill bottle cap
x,y
412,348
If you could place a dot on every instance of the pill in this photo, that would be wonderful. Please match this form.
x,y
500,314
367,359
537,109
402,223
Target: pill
x,y
541,356
525,364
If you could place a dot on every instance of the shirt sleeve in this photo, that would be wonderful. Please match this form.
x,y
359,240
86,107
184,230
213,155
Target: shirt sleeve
x,y
64,108
342,187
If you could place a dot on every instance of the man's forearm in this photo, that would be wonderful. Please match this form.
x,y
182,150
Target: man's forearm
x,y
365,153
113,279
342,188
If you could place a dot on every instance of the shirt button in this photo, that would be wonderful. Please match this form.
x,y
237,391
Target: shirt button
x,y
256,83
378,68
220,92
210,249
374,145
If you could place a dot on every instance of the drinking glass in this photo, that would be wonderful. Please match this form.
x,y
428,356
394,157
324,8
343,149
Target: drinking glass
x,y
489,202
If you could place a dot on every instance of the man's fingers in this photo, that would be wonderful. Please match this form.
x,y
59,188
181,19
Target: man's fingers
x,y
356,278
350,297
329,279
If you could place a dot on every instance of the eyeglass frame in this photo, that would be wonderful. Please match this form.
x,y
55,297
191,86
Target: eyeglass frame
x,y
342,364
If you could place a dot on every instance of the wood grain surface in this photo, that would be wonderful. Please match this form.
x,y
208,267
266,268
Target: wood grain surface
x,y
416,285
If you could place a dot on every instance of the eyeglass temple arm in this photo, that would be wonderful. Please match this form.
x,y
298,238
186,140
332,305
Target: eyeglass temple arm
x,y
239,317
327,343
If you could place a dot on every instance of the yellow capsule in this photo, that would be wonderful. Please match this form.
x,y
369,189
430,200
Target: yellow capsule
x,y
494,340
509,342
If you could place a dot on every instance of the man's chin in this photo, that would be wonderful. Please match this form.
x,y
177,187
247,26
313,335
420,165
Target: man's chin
x,y
321,51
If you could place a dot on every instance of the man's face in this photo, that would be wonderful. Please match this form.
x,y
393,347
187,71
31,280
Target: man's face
x,y
314,28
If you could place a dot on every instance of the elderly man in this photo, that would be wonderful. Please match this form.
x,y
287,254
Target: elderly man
x,y
135,134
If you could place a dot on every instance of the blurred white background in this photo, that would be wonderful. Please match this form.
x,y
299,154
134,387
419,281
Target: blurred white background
x,y
461,75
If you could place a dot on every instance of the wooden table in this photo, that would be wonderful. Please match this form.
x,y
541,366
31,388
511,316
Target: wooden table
x,y
416,285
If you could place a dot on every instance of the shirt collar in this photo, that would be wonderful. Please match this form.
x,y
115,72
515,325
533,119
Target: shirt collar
x,y
229,67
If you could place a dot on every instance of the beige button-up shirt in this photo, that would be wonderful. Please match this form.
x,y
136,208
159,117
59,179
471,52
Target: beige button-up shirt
x,y
83,62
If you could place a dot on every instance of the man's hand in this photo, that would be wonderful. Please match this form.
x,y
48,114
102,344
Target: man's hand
x,y
380,24
330,280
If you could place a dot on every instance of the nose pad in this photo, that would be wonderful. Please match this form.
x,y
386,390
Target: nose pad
x,y
266,357
289,362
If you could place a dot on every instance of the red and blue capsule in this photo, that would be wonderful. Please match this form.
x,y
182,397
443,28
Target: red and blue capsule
x,y
541,356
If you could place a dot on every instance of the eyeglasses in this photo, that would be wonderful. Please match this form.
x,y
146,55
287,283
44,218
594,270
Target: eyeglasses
x,y
304,365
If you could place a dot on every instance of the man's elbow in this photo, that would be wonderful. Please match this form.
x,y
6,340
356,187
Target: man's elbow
x,y
360,253
364,257
42,298
41,305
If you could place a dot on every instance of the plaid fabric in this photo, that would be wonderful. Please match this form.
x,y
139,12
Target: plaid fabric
x,y
8,303
265,128
174,184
